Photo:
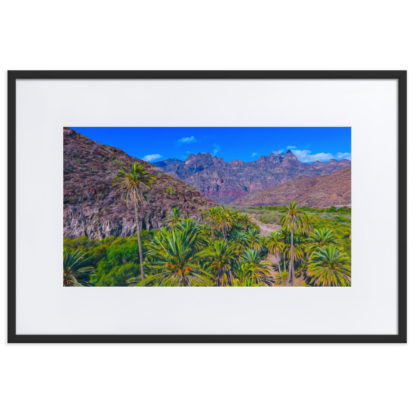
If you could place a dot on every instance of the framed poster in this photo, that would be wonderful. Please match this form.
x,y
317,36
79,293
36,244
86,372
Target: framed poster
x,y
207,206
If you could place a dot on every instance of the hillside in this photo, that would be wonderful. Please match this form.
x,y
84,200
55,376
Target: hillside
x,y
93,207
318,192
227,181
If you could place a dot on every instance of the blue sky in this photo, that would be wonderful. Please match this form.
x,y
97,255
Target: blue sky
x,y
244,143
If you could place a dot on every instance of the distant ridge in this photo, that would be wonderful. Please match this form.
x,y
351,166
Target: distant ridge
x,y
319,192
227,181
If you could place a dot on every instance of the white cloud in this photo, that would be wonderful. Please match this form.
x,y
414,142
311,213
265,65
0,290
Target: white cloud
x,y
152,157
216,150
190,139
307,156
254,154
341,155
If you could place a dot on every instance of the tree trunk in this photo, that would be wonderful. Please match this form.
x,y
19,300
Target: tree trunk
x,y
230,277
292,258
291,274
284,262
139,240
278,266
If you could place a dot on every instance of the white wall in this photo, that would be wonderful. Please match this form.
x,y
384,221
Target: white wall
x,y
209,379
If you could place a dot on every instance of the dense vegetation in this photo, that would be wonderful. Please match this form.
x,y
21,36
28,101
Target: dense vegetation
x,y
223,247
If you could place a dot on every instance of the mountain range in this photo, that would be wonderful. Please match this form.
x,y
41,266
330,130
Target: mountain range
x,y
318,192
95,208
227,182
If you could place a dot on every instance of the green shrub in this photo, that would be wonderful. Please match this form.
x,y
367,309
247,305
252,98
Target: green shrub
x,y
119,275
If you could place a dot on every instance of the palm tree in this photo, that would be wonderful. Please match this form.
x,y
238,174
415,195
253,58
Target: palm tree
x,y
220,220
75,269
241,240
224,222
307,223
133,183
174,259
276,246
191,227
243,274
293,220
174,217
286,239
243,220
254,239
221,255
251,268
329,267
210,218
321,237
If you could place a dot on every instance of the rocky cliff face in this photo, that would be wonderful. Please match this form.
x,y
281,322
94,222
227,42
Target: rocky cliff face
x,y
94,207
227,181
319,192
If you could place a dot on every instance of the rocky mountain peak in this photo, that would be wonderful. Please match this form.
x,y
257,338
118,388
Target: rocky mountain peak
x,y
289,155
199,158
226,181
95,208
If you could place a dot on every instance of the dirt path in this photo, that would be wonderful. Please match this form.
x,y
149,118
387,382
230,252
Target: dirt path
x,y
265,229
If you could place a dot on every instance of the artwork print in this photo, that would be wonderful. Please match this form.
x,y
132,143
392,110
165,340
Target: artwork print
x,y
207,206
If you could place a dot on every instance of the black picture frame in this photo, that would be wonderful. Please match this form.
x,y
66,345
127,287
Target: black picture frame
x,y
400,76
